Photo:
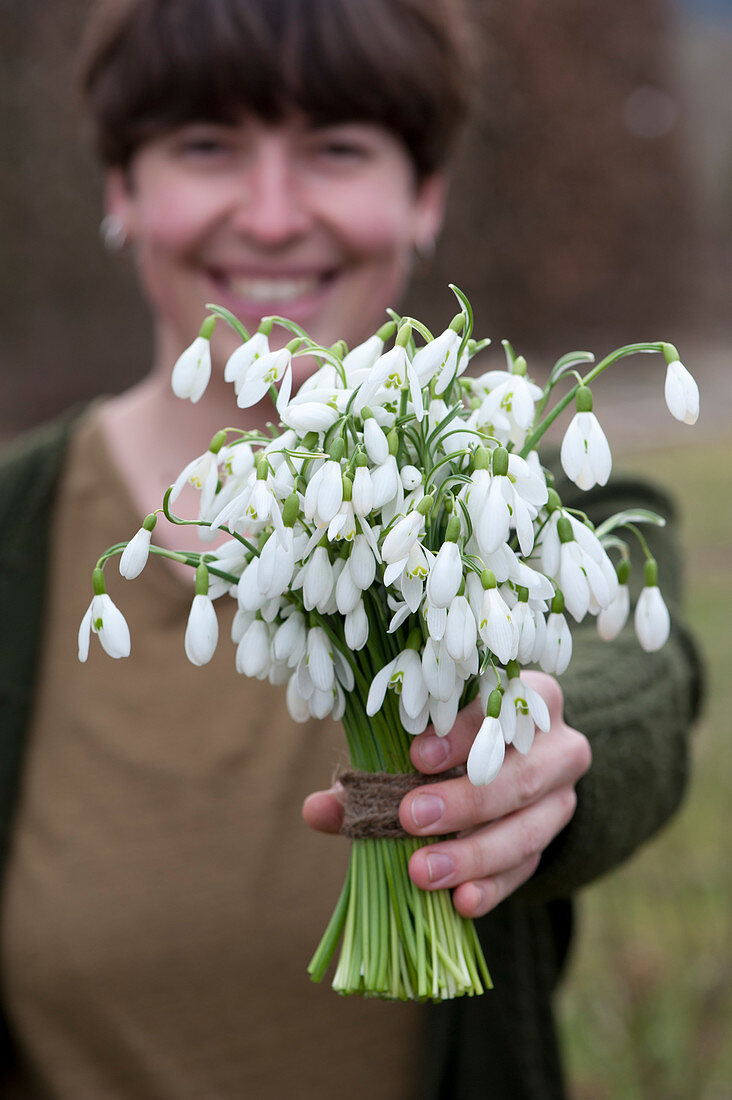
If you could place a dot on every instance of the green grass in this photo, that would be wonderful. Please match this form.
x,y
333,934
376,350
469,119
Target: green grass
x,y
646,1013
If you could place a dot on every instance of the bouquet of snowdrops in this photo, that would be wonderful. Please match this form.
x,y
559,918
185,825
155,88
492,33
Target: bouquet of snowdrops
x,y
396,548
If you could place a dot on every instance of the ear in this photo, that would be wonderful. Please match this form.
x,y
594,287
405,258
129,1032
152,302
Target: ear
x,y
430,209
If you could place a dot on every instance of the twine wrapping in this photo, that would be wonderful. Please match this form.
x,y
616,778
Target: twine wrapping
x,y
372,800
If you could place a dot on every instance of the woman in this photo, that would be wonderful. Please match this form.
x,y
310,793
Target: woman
x,y
160,899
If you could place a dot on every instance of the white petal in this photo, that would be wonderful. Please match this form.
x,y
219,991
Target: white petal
x,y
652,621
84,634
487,753
202,631
681,393
378,688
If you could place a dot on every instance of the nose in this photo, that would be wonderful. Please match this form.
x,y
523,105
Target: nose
x,y
272,207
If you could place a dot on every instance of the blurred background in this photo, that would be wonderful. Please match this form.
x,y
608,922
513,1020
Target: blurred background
x,y
592,207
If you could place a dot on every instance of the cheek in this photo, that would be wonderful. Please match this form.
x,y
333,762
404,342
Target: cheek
x,y
374,223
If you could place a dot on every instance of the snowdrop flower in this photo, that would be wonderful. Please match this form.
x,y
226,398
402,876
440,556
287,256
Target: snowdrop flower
x,y
680,389
461,630
242,359
104,619
439,357
652,621
309,416
398,542
512,395
276,563
585,453
393,371
362,492
203,474
522,709
495,625
273,367
324,493
439,670
317,580
202,631
387,485
320,659
403,675
613,618
358,362
556,652
489,747
192,370
446,573
135,554
356,627
374,439
253,656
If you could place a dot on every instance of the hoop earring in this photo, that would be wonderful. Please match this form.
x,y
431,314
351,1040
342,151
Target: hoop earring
x,y
113,232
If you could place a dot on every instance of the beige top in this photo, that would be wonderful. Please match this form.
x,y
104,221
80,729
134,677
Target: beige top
x,y
163,896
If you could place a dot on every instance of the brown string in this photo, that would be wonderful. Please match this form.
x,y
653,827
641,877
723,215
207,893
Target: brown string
x,y
372,800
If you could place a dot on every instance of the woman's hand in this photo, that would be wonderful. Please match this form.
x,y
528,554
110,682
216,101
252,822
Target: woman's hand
x,y
503,828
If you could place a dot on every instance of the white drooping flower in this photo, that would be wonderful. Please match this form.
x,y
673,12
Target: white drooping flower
x,y
489,747
192,370
274,366
585,453
404,675
202,630
253,654
652,621
461,630
241,360
203,474
496,626
522,709
438,360
681,393
290,639
135,554
613,618
104,619
556,652
398,543
445,576
512,396
356,627
392,372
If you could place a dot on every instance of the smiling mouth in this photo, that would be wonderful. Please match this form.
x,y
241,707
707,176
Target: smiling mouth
x,y
274,290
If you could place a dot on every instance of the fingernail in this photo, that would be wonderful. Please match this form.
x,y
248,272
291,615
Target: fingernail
x,y
426,809
439,866
433,751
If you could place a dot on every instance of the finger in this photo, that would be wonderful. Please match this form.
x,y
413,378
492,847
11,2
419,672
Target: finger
x,y
475,899
557,758
323,810
496,848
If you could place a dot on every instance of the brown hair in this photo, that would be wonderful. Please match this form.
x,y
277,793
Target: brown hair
x,y
149,66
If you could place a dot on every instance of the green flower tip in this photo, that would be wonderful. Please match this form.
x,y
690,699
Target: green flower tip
x,y
262,466
554,501
500,462
366,413
266,326
513,669
337,449
149,522
670,353
361,459
519,365
583,400
291,510
522,593
453,529
293,345
564,530
557,605
393,440
206,330
347,488
98,582
458,322
493,709
404,335
310,440
650,573
386,331
482,458
217,442
623,571
340,348
425,505
488,579
201,580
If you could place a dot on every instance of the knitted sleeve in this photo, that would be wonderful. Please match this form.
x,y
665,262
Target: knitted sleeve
x,y
636,709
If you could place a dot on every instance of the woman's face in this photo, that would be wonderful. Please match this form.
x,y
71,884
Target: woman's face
x,y
315,224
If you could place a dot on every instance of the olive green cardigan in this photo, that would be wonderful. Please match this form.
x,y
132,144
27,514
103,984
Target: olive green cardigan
x,y
636,708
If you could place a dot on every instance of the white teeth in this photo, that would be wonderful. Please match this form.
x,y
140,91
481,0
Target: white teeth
x,y
274,290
